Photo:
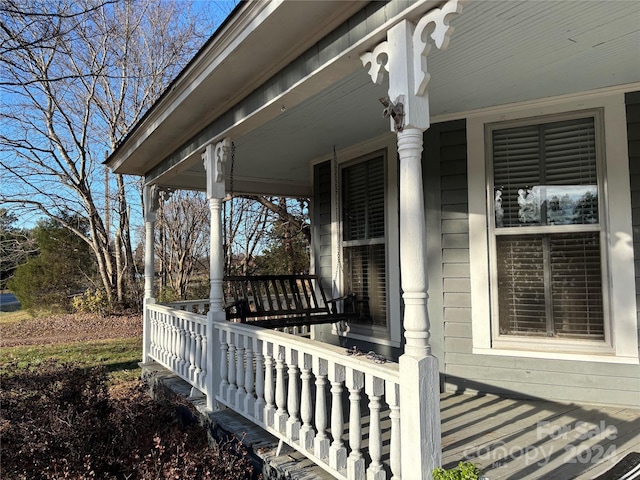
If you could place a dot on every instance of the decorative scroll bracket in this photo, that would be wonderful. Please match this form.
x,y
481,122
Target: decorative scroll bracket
x,y
434,24
214,158
403,58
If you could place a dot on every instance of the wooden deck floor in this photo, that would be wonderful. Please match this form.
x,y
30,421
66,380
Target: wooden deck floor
x,y
536,440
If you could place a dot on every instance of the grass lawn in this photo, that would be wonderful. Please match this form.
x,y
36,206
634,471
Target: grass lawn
x,y
13,317
120,356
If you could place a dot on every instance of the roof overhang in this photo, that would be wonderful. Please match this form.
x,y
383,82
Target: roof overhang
x,y
260,40
288,88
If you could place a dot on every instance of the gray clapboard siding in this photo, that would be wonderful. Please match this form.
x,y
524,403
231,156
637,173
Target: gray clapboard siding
x,y
458,285
506,373
457,300
459,330
550,366
458,314
561,393
561,380
444,168
632,101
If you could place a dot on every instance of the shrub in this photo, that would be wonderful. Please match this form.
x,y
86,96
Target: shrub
x,y
68,424
167,295
464,471
199,289
92,301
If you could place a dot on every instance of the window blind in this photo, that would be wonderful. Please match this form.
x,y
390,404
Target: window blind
x,y
363,216
529,161
549,282
365,276
576,285
569,303
363,200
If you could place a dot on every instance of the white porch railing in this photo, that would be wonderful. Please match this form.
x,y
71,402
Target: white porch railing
x,y
299,390
178,341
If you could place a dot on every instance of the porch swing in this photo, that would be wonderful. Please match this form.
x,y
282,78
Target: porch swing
x,y
281,301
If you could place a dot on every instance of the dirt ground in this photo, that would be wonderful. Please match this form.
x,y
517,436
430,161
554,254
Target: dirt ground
x,y
69,328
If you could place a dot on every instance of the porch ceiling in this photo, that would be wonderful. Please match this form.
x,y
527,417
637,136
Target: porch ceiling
x,y
501,52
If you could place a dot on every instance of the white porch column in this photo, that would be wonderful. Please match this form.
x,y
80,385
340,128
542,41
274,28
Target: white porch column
x,y
403,59
214,158
150,200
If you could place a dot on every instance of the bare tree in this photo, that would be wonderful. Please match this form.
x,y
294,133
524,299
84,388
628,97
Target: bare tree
x,y
182,238
246,223
76,76
16,246
249,228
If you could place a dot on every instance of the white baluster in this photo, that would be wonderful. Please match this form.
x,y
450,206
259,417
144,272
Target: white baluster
x,y
175,344
203,371
392,395
171,342
231,391
269,393
337,451
307,433
194,360
224,368
182,347
281,415
374,388
293,422
198,349
164,340
355,462
241,392
153,333
158,336
249,399
171,345
260,402
321,442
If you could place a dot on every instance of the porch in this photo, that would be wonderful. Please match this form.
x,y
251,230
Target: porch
x,y
340,414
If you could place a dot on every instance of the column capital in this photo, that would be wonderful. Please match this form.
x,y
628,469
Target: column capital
x,y
151,201
214,158
403,59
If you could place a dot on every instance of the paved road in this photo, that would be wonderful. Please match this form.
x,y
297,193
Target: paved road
x,y
8,301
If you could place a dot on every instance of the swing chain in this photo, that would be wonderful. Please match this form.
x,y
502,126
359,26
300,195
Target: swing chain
x,y
233,163
336,186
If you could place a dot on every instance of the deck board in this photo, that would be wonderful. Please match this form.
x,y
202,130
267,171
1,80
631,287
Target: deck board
x,y
536,439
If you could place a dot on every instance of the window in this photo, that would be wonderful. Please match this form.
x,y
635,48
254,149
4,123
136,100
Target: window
x,y
363,238
552,266
546,229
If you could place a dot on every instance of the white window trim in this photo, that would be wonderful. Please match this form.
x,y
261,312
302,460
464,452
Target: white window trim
x,y
622,345
385,145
